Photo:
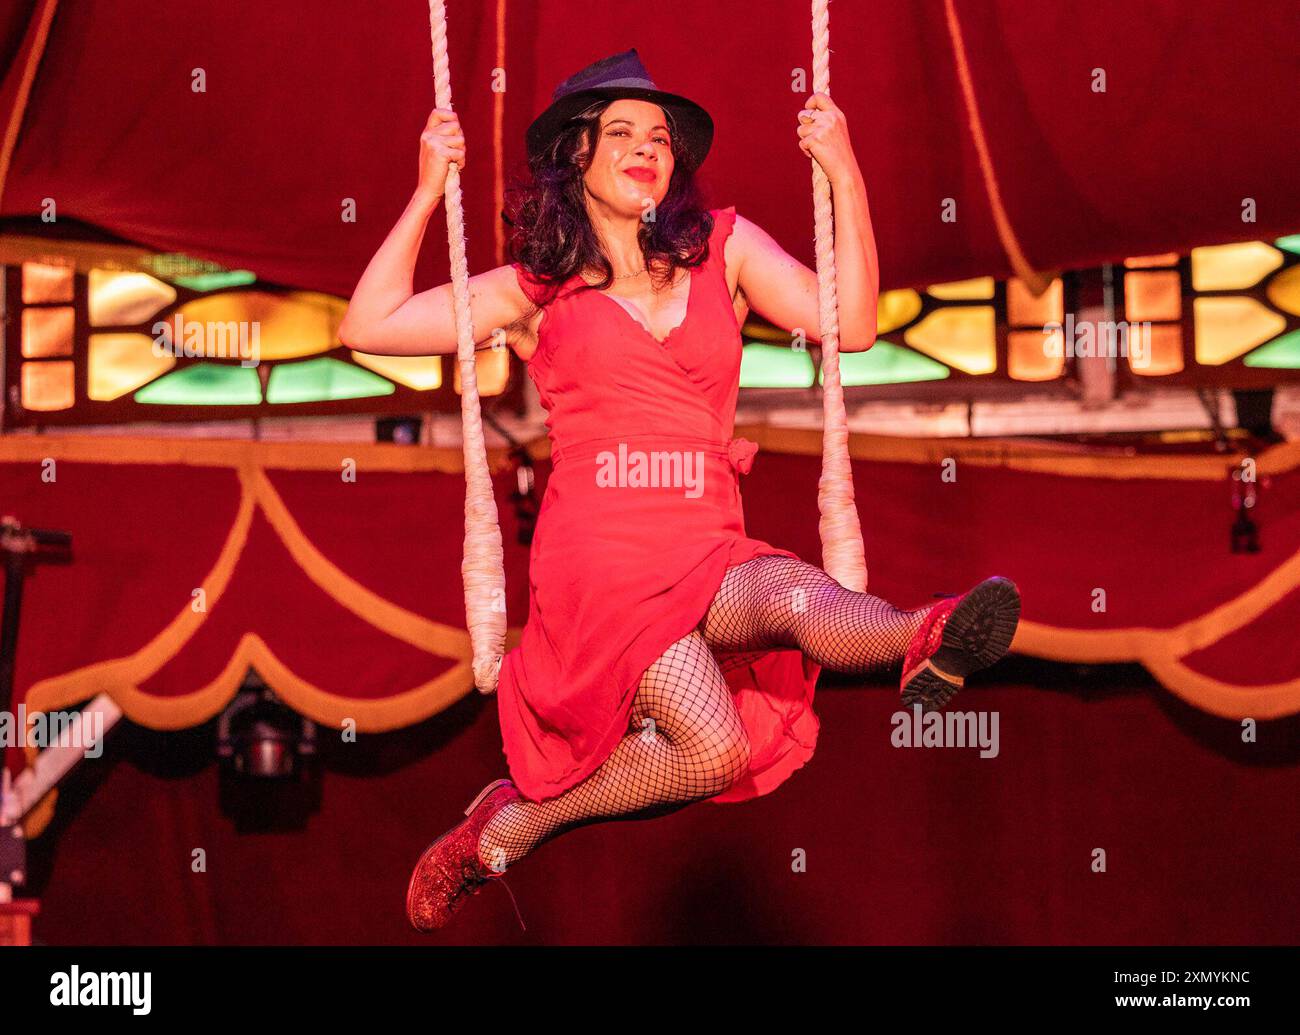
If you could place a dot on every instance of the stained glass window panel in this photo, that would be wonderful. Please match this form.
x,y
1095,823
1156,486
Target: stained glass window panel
x,y
977,288
887,364
1284,290
1153,296
288,326
47,386
1227,327
42,283
1035,355
419,372
1279,354
771,366
1290,243
321,380
1024,310
1139,262
120,363
118,298
48,332
1233,267
962,337
1160,354
204,384
896,309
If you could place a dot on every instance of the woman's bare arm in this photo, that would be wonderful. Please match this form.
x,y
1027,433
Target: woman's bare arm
x,y
784,290
384,316
424,324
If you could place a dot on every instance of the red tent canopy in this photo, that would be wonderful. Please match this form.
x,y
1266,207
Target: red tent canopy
x,y
311,103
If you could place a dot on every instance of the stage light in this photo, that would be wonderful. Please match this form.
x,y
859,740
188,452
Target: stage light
x,y
269,776
402,430
258,736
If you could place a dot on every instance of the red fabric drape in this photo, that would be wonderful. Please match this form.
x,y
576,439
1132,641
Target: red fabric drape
x,y
309,103
350,587
903,846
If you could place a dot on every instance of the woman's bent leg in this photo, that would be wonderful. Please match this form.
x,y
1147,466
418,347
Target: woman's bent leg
x,y
686,742
783,602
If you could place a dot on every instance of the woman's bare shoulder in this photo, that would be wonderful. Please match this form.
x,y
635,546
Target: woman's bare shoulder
x,y
745,232
737,245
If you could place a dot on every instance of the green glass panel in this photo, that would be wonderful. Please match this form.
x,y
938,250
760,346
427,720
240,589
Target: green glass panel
x,y
323,380
1290,243
1279,354
216,281
774,366
204,384
888,364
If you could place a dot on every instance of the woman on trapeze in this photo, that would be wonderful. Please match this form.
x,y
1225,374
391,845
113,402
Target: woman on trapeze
x,y
667,657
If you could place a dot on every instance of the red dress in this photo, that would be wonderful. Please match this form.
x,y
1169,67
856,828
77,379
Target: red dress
x,y
619,571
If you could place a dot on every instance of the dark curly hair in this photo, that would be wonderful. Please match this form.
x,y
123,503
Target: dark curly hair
x,y
552,238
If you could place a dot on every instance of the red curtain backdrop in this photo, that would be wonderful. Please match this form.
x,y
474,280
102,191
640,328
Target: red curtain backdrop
x,y
345,594
310,102
903,846
348,595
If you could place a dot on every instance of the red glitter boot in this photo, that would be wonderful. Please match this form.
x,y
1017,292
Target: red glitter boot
x,y
450,869
959,636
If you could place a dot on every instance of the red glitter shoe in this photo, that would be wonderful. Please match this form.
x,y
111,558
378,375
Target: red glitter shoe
x,y
959,636
450,869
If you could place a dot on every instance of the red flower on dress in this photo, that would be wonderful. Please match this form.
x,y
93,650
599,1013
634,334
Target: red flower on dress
x,y
740,453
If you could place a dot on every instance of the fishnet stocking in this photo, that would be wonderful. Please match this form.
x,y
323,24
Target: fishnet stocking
x,y
685,742
781,602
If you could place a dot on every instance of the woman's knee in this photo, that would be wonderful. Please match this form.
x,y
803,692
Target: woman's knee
x,y
723,755
685,699
791,590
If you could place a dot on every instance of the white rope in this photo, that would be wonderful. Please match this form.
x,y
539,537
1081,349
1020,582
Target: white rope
x,y
483,566
843,555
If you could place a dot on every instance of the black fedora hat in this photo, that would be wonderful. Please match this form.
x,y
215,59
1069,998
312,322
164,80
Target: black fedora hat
x,y
622,75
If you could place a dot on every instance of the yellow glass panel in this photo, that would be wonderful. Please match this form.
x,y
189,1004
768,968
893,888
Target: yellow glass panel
x,y
961,336
963,290
1153,296
896,308
1231,267
1144,261
1024,310
492,366
419,372
47,332
47,386
1160,353
287,326
1227,327
1029,357
42,283
1284,290
118,297
121,363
